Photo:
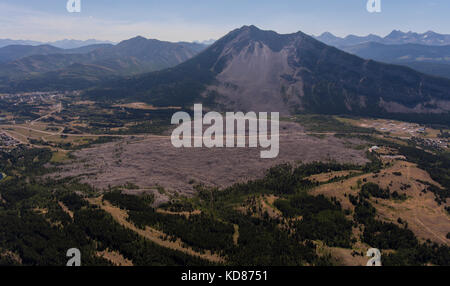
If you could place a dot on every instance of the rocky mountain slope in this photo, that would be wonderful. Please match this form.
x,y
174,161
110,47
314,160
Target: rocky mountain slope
x,y
251,69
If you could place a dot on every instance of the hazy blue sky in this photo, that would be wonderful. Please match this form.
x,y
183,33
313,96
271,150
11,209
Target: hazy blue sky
x,y
176,20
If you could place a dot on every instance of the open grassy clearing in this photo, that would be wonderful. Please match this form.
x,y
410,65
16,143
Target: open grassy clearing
x,y
418,209
115,258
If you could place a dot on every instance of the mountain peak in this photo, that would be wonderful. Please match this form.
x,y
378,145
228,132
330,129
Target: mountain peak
x,y
247,36
135,41
249,28
395,33
327,34
430,32
138,38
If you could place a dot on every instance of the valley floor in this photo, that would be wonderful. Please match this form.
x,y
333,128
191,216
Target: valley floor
x,y
338,187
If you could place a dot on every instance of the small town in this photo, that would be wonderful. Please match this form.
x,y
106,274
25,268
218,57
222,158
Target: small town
x,y
7,142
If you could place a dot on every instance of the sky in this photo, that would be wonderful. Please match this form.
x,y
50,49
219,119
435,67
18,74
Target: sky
x,y
182,20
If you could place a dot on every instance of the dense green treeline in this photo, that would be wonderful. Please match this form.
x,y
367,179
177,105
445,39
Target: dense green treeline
x,y
282,179
372,189
263,243
302,205
110,235
37,242
102,118
25,161
199,231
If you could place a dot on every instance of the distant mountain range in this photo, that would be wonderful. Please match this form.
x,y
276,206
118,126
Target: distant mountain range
x,y
73,44
396,37
434,60
48,67
63,44
428,52
252,69
15,52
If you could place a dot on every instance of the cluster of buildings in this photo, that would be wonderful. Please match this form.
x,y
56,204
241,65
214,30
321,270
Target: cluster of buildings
x,y
30,97
7,141
400,127
438,143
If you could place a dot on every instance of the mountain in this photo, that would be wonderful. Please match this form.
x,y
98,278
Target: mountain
x,y
332,40
9,42
62,44
73,44
394,38
151,54
433,60
427,52
82,67
14,52
427,38
251,69
404,52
